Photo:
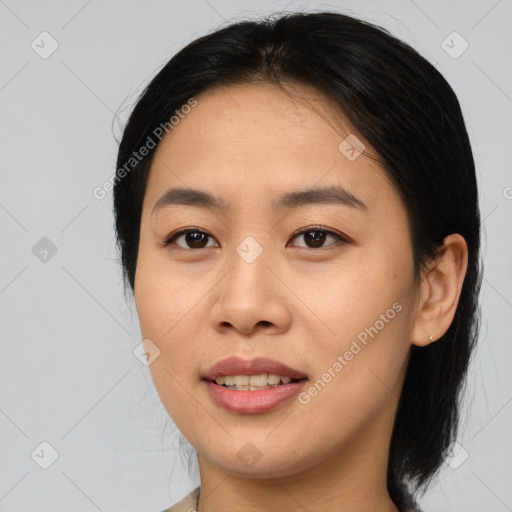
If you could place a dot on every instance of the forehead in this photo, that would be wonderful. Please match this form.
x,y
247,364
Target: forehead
x,y
249,117
243,141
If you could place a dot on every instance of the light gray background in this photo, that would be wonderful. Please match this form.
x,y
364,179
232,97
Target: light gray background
x,y
67,372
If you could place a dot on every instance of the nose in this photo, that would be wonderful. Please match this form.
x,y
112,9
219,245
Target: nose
x,y
251,298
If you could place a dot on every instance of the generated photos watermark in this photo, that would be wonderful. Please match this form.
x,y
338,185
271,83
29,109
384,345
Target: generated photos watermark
x,y
100,192
344,359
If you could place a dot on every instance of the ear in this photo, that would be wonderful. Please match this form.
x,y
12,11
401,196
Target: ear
x,y
440,291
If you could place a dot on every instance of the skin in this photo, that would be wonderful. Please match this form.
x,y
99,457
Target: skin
x,y
303,306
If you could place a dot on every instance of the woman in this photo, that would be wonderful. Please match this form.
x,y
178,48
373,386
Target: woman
x,y
297,213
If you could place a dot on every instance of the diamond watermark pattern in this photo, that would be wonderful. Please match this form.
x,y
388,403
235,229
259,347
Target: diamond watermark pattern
x,y
249,249
146,352
44,455
352,147
454,45
44,250
455,455
249,455
44,45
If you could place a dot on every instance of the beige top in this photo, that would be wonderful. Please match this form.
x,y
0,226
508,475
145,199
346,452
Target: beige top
x,y
187,504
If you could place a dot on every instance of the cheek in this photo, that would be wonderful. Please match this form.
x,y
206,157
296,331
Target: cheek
x,y
340,301
360,327
166,316
166,298
159,316
357,373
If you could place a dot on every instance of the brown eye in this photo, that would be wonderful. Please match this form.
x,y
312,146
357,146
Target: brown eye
x,y
190,239
315,238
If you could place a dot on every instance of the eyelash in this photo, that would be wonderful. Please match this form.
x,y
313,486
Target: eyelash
x,y
341,238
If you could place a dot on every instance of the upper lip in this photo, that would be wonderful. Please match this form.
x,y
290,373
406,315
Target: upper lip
x,y
257,366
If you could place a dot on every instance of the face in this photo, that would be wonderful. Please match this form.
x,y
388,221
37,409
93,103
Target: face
x,y
313,289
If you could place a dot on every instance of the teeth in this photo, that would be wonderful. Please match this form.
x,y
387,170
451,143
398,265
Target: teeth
x,y
274,379
242,380
252,382
258,380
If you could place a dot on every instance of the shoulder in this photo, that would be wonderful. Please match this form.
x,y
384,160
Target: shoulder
x,y
187,504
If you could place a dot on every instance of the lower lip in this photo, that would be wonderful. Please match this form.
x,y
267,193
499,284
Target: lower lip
x,y
252,402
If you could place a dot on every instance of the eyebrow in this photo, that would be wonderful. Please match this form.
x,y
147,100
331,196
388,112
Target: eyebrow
x,y
334,194
191,197
324,195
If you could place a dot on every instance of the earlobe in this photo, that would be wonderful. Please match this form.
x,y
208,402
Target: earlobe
x,y
440,292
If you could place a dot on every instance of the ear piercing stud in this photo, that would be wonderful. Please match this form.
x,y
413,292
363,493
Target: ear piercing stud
x,y
430,338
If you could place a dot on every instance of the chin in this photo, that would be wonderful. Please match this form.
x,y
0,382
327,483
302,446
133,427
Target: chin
x,y
268,461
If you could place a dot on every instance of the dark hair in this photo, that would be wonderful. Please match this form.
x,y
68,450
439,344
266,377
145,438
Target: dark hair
x,y
409,114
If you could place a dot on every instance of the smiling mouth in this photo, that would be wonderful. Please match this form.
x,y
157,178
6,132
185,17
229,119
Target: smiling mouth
x,y
253,382
252,386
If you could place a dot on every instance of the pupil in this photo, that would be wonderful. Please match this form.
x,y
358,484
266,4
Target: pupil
x,y
196,239
318,240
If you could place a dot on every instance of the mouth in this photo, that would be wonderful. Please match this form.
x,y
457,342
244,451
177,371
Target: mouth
x,y
254,382
252,386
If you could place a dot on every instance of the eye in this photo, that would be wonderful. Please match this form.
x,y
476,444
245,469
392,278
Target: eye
x,y
190,239
316,236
